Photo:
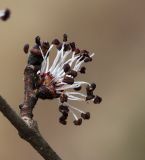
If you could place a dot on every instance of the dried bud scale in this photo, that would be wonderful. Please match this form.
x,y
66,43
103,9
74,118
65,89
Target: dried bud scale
x,y
54,81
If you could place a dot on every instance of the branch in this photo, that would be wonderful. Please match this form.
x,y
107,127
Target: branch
x,y
31,135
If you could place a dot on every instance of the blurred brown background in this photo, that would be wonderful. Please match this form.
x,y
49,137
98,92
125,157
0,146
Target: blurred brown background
x,y
115,31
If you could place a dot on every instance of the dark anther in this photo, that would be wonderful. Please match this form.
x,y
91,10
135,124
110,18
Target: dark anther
x,y
6,15
78,122
65,38
72,73
63,108
66,47
68,80
97,100
66,67
83,70
26,48
55,42
35,51
45,45
87,59
89,97
93,85
89,88
63,122
85,115
65,114
62,118
84,52
73,46
59,46
78,88
63,98
37,41
77,51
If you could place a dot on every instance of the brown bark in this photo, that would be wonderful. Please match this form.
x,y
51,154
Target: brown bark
x,y
31,135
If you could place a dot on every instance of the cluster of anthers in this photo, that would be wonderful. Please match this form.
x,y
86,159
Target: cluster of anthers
x,y
59,79
4,14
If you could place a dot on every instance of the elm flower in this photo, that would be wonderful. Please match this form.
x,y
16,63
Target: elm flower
x,y
58,80
4,14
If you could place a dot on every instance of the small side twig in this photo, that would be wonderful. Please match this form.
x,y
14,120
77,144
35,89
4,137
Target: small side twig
x,y
31,135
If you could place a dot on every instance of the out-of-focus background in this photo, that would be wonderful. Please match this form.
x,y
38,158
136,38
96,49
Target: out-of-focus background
x,y
115,31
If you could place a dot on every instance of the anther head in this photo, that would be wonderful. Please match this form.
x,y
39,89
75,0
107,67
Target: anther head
x,y
26,48
6,15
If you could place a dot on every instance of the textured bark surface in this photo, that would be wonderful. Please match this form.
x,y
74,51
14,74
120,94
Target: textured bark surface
x,y
30,98
31,135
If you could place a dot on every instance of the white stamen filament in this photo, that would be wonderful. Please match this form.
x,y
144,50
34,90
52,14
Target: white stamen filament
x,y
74,115
76,93
55,61
41,52
70,106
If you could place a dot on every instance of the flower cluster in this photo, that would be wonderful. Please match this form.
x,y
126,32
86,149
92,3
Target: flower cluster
x,y
4,14
59,79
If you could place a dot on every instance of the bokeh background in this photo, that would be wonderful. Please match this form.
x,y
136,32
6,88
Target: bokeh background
x,y
115,31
